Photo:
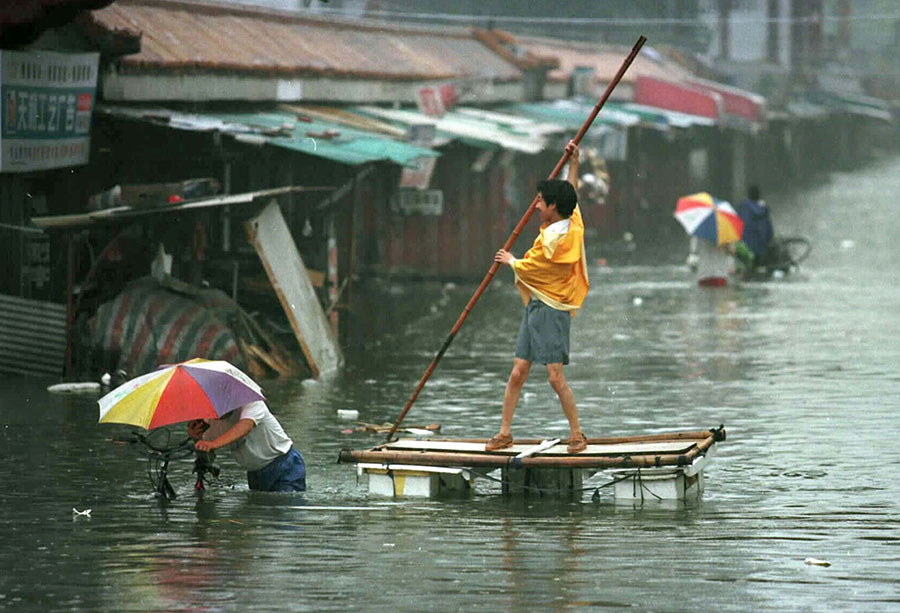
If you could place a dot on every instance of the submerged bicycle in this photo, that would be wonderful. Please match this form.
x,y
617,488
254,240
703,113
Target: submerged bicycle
x,y
783,257
160,453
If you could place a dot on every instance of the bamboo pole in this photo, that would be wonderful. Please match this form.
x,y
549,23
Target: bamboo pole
x,y
698,435
419,458
515,234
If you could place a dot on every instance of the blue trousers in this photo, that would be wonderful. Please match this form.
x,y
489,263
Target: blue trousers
x,y
286,473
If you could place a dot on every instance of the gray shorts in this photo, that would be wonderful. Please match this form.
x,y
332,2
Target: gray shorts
x,y
544,334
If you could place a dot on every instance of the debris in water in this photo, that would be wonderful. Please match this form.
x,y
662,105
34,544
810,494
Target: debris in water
x,y
418,431
77,513
817,562
348,414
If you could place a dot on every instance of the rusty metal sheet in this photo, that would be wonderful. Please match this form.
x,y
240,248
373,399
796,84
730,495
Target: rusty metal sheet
x,y
180,35
32,336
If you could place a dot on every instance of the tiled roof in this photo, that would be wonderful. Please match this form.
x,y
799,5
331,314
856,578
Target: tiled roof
x,y
196,36
604,59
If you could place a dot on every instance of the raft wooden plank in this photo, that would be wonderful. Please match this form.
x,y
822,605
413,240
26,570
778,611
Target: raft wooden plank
x,y
655,447
697,435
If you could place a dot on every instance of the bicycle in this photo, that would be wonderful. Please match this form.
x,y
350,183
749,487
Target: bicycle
x,y
159,457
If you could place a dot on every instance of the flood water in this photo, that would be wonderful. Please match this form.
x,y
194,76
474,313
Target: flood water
x,y
803,372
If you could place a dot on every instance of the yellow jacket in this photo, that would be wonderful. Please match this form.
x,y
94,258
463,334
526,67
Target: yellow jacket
x,y
554,270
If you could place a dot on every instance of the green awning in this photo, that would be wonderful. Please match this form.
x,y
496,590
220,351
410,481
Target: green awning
x,y
470,126
327,140
854,104
322,139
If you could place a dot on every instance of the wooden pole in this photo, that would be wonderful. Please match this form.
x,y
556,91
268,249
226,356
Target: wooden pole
x,y
515,234
70,314
465,460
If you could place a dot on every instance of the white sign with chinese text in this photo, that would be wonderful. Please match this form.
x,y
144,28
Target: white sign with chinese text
x,y
420,201
47,102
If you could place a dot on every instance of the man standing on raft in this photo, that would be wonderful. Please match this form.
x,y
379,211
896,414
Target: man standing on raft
x,y
553,281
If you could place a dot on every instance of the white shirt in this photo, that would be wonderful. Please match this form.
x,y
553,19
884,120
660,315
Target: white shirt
x,y
714,261
265,442
557,227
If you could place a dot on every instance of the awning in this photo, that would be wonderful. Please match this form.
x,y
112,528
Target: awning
x,y
573,113
323,139
470,127
677,96
738,103
343,117
608,134
855,104
651,115
120,213
513,122
801,109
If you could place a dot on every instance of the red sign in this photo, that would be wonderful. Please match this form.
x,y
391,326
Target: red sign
x,y
84,102
435,100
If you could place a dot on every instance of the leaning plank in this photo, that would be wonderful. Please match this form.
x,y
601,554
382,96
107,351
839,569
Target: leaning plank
x,y
282,369
272,239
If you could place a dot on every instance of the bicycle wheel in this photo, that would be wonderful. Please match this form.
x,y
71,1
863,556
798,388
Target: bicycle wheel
x,y
794,248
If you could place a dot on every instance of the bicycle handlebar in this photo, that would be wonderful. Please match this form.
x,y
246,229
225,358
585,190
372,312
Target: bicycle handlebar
x,y
186,445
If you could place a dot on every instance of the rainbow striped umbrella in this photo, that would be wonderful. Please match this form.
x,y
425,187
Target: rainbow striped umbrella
x,y
707,217
195,389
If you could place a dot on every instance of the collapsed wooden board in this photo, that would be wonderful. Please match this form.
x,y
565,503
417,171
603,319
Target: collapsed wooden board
x,y
271,237
648,451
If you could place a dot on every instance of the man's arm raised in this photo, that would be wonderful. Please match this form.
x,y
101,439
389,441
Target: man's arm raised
x,y
574,161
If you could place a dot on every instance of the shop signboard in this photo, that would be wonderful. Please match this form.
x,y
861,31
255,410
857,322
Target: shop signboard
x,y
428,202
48,99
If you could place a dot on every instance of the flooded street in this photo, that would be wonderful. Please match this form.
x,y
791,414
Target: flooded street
x,y
803,373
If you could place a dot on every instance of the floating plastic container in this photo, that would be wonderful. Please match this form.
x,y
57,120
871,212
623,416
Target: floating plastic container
x,y
347,414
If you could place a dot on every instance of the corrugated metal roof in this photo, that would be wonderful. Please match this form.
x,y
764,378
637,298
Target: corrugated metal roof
x,y
469,127
119,213
605,60
856,104
177,34
803,109
281,129
678,96
32,336
608,133
674,119
740,103
343,117
573,113
616,114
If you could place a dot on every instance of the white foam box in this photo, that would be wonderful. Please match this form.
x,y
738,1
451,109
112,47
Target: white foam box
x,y
664,483
406,480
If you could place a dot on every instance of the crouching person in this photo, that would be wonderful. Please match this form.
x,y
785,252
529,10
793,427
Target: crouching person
x,y
258,443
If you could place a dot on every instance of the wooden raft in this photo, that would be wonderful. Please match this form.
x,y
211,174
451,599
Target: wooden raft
x,y
646,451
